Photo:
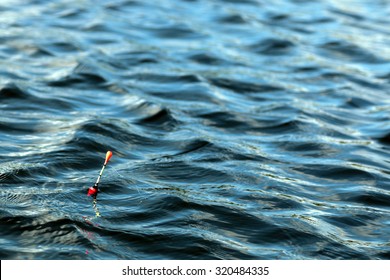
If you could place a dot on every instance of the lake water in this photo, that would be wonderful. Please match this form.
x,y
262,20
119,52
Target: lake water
x,y
239,129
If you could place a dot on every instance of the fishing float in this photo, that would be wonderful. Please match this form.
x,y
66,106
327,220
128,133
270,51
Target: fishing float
x,y
93,191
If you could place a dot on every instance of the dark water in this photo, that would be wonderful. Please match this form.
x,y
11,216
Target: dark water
x,y
240,129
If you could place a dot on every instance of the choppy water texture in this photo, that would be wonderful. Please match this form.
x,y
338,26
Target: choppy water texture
x,y
240,129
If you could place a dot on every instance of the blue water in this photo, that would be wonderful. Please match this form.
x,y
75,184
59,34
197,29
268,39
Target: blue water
x,y
240,129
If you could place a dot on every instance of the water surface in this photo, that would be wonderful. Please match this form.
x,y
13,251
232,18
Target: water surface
x,y
240,129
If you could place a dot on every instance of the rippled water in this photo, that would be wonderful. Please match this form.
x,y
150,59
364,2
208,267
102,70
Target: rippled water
x,y
240,129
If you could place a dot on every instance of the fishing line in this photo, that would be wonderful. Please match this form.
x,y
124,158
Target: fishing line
x,y
124,179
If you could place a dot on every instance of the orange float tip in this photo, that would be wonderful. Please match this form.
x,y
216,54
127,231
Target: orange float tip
x,y
108,156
